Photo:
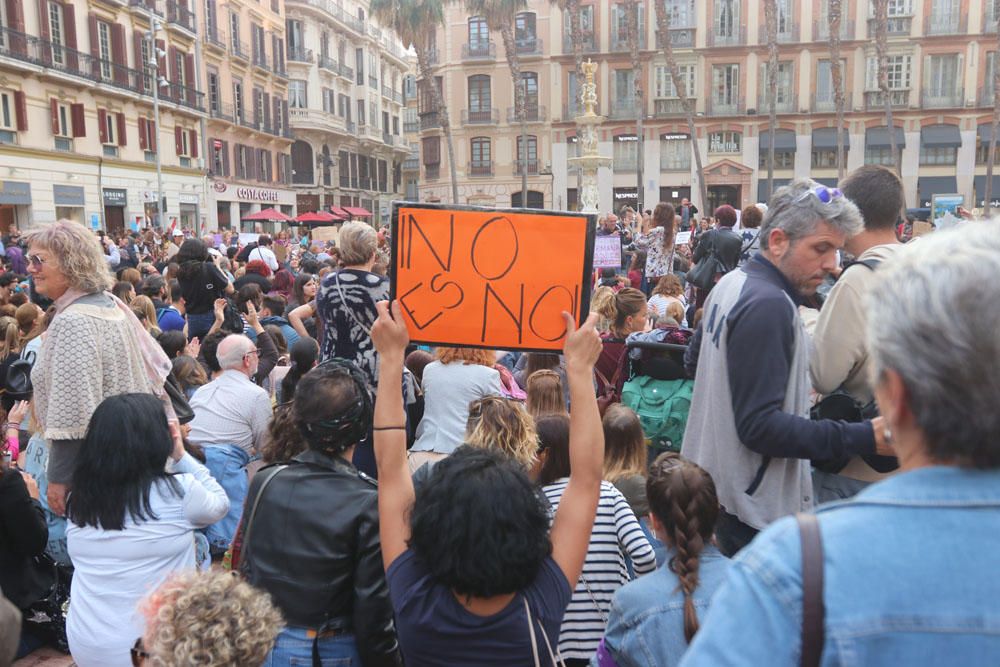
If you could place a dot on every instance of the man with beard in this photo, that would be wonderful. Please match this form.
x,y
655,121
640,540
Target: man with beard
x,y
748,425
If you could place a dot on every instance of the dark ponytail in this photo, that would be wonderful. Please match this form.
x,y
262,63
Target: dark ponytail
x,y
303,356
682,497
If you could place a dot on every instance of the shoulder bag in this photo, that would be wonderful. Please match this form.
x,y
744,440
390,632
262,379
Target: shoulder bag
x,y
813,610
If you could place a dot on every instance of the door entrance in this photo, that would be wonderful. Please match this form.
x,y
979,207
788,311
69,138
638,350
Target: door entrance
x,y
723,194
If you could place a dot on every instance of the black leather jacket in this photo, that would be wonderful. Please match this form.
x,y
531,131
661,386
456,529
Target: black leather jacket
x,y
314,546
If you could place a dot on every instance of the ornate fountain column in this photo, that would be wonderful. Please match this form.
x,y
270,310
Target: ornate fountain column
x,y
589,160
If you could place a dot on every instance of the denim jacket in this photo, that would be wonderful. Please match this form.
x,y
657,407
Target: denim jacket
x,y
910,578
646,623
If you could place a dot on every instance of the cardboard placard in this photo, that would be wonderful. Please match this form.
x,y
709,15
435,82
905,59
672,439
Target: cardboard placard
x,y
607,252
325,233
682,238
490,278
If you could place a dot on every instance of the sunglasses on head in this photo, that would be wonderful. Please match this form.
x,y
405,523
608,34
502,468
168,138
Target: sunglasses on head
x,y
824,194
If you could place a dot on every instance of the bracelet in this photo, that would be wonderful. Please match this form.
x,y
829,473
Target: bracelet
x,y
389,428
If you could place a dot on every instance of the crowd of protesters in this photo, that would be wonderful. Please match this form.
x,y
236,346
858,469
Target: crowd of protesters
x,y
177,407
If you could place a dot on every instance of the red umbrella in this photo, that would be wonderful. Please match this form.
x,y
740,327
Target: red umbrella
x,y
316,216
268,215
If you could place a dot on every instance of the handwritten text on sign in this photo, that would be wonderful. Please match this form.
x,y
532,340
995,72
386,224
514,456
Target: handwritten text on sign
x,y
607,252
490,278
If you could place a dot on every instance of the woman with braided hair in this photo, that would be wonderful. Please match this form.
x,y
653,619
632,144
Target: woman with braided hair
x,y
652,621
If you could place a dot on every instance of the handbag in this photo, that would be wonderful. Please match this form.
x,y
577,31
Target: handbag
x,y
813,611
46,617
234,556
702,275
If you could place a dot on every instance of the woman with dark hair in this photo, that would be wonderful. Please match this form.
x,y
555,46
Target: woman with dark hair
x,y
474,573
131,522
303,357
189,374
202,282
124,290
322,568
283,283
653,620
303,294
658,242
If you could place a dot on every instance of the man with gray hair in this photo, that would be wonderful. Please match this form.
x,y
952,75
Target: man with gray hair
x,y
231,415
748,425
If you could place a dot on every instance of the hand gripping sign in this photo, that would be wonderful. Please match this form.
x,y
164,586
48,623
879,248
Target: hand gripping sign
x,y
491,278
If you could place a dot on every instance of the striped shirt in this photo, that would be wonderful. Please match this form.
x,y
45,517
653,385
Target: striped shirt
x,y
616,534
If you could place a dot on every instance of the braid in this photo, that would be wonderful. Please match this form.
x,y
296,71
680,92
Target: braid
x,y
688,544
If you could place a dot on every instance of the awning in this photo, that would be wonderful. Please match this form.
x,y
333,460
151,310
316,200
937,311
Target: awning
x,y
879,136
979,183
357,212
928,186
825,138
763,194
338,212
268,215
784,141
943,136
984,132
315,216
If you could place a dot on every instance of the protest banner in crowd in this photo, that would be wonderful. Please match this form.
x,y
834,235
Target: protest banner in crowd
x,y
607,252
492,278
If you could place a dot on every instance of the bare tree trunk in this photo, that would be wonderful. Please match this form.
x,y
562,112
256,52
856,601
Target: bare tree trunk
x,y
576,35
837,75
882,52
632,7
510,48
427,74
663,31
994,129
771,21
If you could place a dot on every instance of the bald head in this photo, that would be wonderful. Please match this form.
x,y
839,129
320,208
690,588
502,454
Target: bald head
x,y
232,352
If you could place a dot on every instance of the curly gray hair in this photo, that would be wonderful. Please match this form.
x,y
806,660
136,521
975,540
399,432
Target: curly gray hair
x,y
798,215
78,254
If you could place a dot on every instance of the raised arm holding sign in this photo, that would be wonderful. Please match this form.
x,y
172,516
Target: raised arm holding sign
x,y
491,278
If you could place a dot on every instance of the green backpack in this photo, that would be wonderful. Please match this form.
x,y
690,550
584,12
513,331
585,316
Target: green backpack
x,y
662,406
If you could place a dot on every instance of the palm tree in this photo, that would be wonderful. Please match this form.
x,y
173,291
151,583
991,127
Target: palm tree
x,y
414,21
771,21
988,194
500,16
882,53
835,14
663,34
632,9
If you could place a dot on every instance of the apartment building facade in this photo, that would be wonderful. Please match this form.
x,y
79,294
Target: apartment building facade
x,y
941,58
248,133
345,108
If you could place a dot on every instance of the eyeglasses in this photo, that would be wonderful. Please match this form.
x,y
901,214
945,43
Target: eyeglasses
x,y
37,261
251,352
824,194
138,652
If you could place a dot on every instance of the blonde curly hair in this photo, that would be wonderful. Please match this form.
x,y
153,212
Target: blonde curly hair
x,y
500,423
77,252
209,618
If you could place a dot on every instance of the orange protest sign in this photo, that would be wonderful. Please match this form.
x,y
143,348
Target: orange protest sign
x,y
492,278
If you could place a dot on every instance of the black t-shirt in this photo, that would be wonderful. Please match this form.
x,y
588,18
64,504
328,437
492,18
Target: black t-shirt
x,y
201,292
253,279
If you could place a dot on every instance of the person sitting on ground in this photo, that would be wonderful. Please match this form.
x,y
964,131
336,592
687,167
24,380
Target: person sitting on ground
x,y
653,620
625,456
256,273
626,312
272,312
124,290
530,362
190,374
545,394
668,290
130,522
323,569
304,356
142,308
174,343
469,557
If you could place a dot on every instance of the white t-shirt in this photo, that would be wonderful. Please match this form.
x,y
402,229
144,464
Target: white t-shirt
x,y
448,390
658,304
266,254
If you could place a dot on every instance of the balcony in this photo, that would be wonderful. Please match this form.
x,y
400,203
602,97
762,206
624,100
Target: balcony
x,y
411,164
214,37
532,167
665,108
316,120
432,172
826,104
260,60
986,96
480,117
588,43
429,120
300,55
623,108
149,5
351,127
821,30
237,50
369,132
346,71
726,107
533,113
390,94
480,169
874,100
180,15
898,26
411,126
946,24
221,112
789,36
328,63
734,37
479,51
57,58
941,99
528,46
680,38
619,42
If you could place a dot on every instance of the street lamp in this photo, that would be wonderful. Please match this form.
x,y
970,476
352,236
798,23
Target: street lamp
x,y
154,64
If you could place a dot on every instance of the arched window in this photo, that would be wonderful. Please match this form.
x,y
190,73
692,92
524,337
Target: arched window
x,y
479,33
302,163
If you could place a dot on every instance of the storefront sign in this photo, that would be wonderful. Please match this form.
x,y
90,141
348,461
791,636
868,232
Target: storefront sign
x,y
68,195
188,199
625,193
257,194
115,197
14,192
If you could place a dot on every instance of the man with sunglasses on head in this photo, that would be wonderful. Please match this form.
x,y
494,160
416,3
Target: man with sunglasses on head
x,y
749,423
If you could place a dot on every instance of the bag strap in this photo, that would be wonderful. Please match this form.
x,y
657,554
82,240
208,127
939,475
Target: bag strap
x,y
813,611
253,508
534,639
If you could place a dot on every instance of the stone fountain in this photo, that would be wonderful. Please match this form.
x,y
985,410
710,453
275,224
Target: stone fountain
x,y
589,160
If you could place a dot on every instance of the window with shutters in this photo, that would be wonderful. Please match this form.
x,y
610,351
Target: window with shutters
x,y
63,126
258,106
57,33
109,131
898,72
218,150
183,146
104,48
214,103
665,83
264,165
943,80
3,23
241,161
430,150
783,97
147,80
8,117
675,152
297,94
234,31
620,16
725,87
726,18
373,114
179,75
238,100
